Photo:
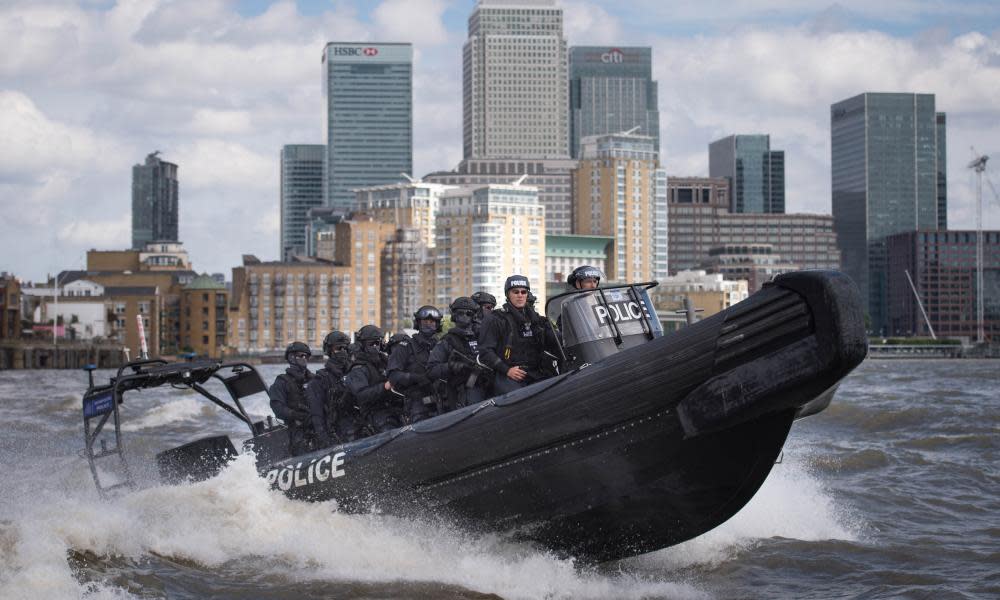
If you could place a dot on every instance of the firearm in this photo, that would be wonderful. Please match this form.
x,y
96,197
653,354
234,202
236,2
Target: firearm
x,y
475,367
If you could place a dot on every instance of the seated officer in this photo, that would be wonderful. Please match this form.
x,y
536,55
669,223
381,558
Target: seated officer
x,y
453,360
408,366
288,398
381,409
335,418
486,302
585,278
516,342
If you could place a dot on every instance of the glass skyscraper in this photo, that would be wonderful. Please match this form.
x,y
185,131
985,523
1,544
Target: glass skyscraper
x,y
887,178
756,173
611,90
154,202
369,112
301,189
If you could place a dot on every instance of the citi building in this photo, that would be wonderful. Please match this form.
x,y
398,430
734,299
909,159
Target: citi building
x,y
369,116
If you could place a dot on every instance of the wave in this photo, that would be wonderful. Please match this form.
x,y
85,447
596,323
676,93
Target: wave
x,y
236,517
169,413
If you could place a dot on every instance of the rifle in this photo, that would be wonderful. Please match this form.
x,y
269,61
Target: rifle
x,y
477,368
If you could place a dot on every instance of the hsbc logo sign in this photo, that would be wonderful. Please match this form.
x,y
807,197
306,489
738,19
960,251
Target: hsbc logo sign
x,y
342,51
613,56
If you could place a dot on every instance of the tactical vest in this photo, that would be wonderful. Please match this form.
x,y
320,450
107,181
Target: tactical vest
x,y
295,394
336,394
523,344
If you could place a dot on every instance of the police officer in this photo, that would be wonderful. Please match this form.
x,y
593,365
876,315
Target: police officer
x,y
585,277
288,398
381,409
408,365
454,359
516,342
335,418
486,303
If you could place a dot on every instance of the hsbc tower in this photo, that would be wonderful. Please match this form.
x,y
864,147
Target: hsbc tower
x,y
369,117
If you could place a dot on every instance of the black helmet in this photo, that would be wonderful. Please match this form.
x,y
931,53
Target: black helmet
x,y
334,340
395,339
531,299
427,312
584,272
464,303
296,348
516,281
368,333
482,298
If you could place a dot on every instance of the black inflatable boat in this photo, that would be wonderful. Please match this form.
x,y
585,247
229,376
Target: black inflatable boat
x,y
643,441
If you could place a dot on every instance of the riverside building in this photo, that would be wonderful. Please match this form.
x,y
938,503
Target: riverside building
x,y
620,191
369,116
887,167
700,220
484,234
301,190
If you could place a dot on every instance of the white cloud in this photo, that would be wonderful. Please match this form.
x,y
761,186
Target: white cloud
x,y
587,24
220,164
108,233
417,21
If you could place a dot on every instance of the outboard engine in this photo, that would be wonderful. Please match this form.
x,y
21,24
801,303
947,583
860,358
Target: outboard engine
x,y
600,322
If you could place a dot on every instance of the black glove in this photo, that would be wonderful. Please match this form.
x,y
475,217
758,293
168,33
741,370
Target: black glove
x,y
422,380
457,367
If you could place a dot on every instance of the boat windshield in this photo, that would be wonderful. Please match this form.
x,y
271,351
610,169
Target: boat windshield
x,y
615,312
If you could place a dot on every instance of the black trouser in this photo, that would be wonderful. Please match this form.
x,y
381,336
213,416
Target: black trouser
x,y
300,441
384,419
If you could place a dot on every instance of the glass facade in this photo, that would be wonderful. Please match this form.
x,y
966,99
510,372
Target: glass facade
x,y
154,202
301,190
885,153
756,173
611,89
369,141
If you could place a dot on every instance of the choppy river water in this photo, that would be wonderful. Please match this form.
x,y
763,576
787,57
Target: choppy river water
x,y
893,491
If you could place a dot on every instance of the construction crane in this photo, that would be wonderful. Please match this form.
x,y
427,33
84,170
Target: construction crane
x,y
979,165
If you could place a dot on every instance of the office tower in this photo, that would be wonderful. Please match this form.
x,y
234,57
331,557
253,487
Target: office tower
x,y
405,282
942,171
515,86
885,180
611,89
620,191
369,112
942,267
486,233
699,220
756,173
154,202
301,190
563,253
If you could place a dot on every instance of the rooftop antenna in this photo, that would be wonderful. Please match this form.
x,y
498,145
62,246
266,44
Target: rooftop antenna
x,y
631,131
520,179
979,165
410,179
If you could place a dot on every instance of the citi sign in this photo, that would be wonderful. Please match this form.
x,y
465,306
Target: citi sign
x,y
340,51
613,56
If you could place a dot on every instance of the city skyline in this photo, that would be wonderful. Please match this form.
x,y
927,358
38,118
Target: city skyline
x,y
221,87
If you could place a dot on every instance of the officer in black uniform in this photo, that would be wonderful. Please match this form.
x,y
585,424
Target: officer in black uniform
x,y
453,359
516,342
486,303
585,277
288,398
408,366
381,409
335,419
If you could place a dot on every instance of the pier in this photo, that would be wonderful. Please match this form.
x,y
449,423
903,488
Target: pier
x,y
20,354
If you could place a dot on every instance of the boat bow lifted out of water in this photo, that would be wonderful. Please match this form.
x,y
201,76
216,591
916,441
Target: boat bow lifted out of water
x,y
645,440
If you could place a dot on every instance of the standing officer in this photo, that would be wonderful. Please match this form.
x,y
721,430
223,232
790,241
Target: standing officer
x,y
454,359
335,419
517,343
408,365
367,381
288,398
585,277
486,302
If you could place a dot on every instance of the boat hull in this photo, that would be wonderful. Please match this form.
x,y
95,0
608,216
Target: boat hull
x,y
648,448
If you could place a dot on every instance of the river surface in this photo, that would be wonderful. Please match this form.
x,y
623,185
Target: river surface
x,y
893,491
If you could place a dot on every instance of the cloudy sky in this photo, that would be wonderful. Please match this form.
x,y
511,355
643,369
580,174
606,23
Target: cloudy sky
x,y
88,88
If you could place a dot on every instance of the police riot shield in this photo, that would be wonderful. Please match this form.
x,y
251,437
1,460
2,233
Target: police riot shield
x,y
600,322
